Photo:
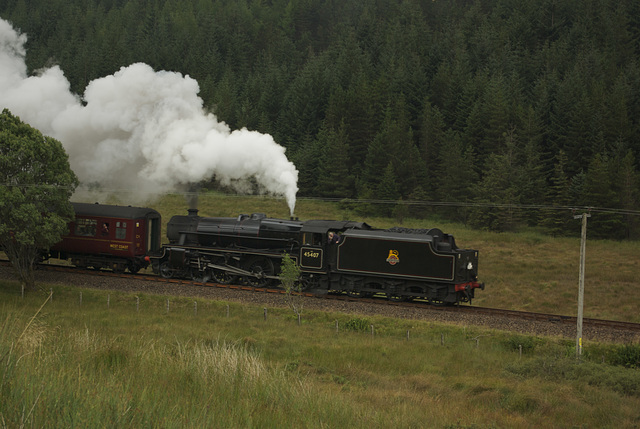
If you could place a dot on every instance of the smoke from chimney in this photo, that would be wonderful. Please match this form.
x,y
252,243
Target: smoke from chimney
x,y
140,130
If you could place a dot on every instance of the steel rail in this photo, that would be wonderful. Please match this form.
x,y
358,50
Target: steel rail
x,y
468,309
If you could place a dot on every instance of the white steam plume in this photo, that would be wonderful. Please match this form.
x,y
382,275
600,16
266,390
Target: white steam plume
x,y
140,129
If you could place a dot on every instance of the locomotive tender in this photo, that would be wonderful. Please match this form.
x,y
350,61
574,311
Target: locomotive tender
x,y
333,256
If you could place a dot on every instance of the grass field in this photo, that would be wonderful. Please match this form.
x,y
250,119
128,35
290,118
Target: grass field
x,y
122,360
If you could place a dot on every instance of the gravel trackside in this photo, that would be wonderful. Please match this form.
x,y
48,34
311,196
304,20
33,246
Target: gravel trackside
x,y
536,328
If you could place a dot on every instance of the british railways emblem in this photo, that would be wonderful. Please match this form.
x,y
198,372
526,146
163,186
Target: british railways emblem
x,y
393,257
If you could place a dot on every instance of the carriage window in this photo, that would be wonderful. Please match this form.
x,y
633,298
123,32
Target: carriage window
x,y
121,230
86,227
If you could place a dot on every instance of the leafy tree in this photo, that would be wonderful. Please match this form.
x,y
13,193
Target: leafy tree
x,y
36,183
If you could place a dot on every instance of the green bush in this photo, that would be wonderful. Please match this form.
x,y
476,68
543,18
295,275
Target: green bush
x,y
513,342
627,355
621,380
357,324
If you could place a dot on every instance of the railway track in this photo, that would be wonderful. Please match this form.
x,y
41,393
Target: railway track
x,y
523,316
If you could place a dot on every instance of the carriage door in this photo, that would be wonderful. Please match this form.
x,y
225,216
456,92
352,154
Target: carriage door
x,y
153,234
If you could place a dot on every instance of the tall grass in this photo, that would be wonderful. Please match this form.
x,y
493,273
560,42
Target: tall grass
x,y
86,365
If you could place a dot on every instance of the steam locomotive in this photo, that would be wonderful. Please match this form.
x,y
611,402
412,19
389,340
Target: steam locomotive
x,y
333,256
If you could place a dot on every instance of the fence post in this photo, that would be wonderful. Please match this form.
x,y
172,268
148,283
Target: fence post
x,y
227,311
265,314
80,298
108,300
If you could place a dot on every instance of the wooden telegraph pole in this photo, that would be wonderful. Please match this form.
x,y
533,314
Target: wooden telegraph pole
x,y
583,248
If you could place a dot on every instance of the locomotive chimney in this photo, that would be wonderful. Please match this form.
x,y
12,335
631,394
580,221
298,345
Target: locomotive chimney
x,y
192,199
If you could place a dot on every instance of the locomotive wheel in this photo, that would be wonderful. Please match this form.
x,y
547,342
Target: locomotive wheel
x,y
359,294
309,282
133,267
201,276
223,277
395,297
260,267
165,270
196,275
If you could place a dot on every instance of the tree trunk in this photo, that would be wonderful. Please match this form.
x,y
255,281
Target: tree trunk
x,y
23,261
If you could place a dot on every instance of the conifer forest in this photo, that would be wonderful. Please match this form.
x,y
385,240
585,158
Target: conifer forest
x,y
496,113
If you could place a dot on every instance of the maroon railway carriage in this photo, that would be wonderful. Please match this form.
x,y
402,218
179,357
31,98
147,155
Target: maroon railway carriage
x,y
107,236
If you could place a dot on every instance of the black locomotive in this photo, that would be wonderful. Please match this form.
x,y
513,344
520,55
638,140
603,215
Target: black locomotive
x,y
334,256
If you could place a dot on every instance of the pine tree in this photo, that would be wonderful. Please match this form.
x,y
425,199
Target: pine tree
x,y
627,182
455,175
599,193
558,220
387,190
334,178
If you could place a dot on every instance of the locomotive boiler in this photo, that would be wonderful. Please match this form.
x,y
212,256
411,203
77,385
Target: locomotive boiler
x,y
333,256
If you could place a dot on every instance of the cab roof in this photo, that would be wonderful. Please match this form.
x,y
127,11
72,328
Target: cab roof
x,y
324,226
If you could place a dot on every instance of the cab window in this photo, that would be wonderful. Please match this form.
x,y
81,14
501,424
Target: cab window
x,y
311,239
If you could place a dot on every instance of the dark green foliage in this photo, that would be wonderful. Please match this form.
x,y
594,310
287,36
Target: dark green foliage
x,y
627,355
622,380
465,101
599,192
36,183
334,178
516,342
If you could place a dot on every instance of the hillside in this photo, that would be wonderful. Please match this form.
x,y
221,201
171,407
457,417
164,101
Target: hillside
x,y
487,103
